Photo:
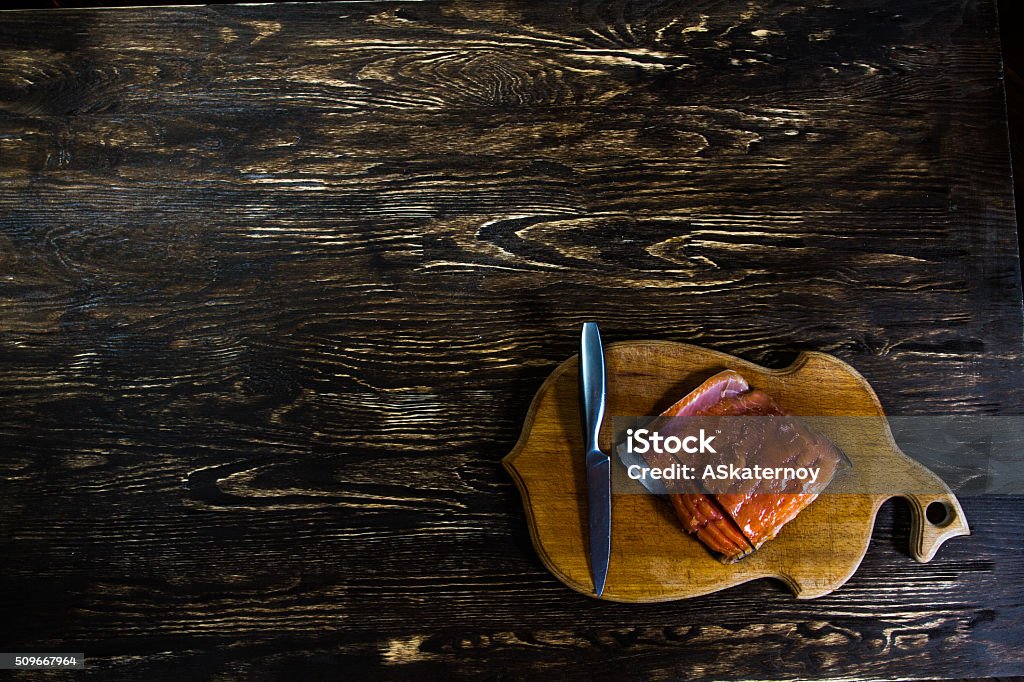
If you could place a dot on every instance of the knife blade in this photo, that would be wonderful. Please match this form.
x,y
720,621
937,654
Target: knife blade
x,y
599,497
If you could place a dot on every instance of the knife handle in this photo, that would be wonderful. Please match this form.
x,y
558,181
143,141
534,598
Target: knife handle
x,y
592,384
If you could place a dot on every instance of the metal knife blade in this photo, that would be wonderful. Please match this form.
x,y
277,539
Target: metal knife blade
x,y
599,499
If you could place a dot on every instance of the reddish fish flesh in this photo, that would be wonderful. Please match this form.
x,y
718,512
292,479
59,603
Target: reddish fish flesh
x,y
732,518
727,384
698,513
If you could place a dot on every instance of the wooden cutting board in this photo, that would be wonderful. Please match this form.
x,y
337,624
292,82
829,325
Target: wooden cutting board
x,y
653,559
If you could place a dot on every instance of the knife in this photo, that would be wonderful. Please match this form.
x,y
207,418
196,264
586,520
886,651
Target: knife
x,y
599,477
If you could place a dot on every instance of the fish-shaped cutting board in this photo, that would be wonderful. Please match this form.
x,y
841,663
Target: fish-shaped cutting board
x,y
653,559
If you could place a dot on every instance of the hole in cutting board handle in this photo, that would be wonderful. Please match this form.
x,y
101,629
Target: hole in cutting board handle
x,y
939,514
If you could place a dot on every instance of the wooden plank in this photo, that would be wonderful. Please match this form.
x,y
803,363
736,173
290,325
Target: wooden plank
x,y
277,284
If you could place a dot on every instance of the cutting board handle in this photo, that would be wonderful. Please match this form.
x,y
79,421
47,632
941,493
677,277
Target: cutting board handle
x,y
927,535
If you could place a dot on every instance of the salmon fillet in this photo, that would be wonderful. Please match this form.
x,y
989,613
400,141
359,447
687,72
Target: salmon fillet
x,y
699,514
733,518
761,507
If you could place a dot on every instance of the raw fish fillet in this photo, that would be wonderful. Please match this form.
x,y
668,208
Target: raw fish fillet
x,y
761,507
698,513
732,518
727,384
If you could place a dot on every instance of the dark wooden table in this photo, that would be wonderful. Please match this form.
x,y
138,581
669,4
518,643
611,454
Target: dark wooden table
x,y
277,284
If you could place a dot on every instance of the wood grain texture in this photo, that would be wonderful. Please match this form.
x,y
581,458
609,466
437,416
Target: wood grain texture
x,y
277,284
652,557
